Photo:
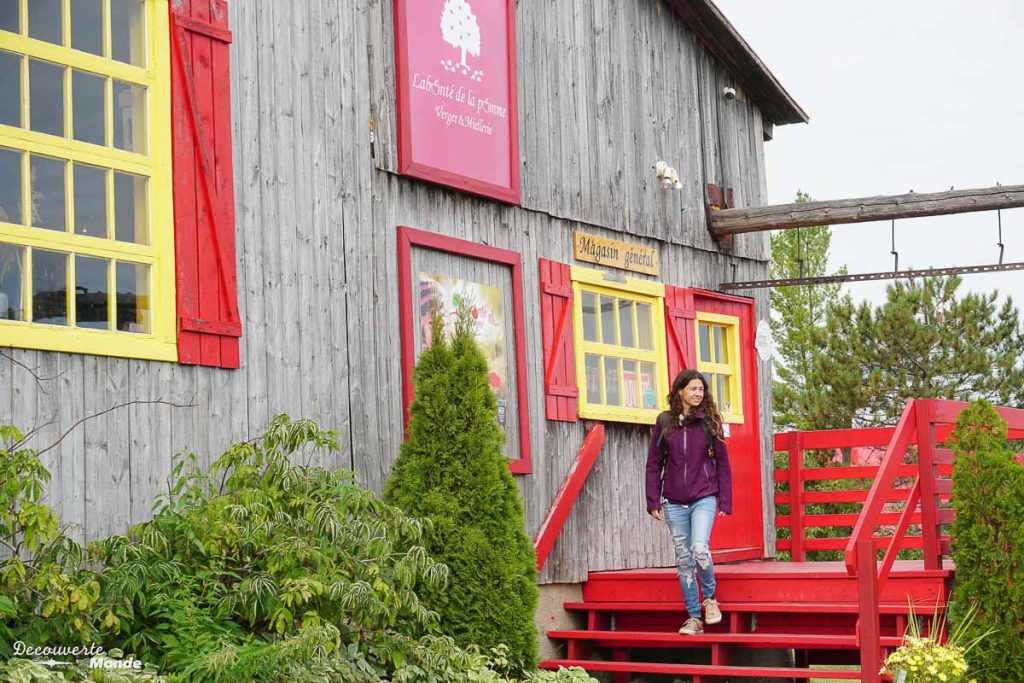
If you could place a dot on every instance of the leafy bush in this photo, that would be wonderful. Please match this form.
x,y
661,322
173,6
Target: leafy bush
x,y
45,593
260,570
17,670
262,564
988,543
452,471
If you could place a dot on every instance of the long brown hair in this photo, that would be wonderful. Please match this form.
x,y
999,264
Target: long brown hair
x,y
676,406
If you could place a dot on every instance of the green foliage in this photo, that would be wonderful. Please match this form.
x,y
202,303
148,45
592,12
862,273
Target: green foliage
x,y
263,565
926,341
988,543
261,570
27,671
452,471
45,593
798,312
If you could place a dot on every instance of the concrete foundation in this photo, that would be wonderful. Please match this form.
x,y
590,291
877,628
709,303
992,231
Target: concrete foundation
x,y
551,616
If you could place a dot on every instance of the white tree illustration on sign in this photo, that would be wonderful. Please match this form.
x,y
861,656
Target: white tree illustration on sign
x,y
460,30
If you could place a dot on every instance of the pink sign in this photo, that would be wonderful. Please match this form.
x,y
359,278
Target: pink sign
x,y
457,109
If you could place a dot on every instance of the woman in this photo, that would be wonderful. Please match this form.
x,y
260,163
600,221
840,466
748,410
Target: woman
x,y
688,481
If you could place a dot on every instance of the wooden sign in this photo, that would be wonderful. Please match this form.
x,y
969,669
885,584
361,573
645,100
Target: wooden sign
x,y
457,109
615,253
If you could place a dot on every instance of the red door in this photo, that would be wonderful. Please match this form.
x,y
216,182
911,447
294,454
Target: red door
x,y
723,341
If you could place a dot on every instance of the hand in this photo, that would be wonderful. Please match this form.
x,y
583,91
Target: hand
x,y
722,514
658,515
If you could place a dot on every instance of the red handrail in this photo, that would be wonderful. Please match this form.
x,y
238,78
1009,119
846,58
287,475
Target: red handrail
x,y
924,422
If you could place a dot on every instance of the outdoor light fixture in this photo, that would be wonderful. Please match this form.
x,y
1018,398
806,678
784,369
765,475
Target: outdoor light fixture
x,y
667,176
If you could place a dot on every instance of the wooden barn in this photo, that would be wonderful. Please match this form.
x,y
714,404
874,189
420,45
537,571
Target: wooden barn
x,y
214,211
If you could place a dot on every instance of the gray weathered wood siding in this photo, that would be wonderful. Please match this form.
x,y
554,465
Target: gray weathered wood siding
x,y
607,87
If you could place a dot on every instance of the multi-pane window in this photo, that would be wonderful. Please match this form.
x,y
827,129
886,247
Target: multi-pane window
x,y
718,360
620,354
86,247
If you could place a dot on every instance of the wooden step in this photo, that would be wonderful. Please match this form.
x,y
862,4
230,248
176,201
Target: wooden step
x,y
782,582
701,669
627,639
922,608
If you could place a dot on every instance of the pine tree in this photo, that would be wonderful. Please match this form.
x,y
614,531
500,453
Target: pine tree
x,y
988,544
796,313
452,471
925,341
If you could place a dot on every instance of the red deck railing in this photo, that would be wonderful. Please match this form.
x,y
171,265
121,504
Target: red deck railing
x,y
889,509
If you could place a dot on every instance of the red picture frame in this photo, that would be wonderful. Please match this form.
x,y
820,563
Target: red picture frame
x,y
409,237
408,164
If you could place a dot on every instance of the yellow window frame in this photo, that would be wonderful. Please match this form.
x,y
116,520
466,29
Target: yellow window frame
x,y
732,369
637,291
160,342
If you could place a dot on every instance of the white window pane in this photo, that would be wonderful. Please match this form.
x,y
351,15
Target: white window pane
x,y
92,293
90,183
649,384
589,304
128,31
723,397
49,287
87,26
612,388
608,335
645,326
631,394
704,342
46,97
626,323
130,208
88,93
133,301
129,117
48,194
11,279
10,84
592,365
721,345
10,186
9,15
46,20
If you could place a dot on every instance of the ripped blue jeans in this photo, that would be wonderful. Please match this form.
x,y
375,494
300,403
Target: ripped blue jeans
x,y
690,526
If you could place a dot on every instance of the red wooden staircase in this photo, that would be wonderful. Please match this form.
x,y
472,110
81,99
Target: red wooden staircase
x,y
829,614
808,607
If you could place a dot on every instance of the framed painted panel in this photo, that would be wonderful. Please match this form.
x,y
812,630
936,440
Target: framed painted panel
x,y
455,67
443,273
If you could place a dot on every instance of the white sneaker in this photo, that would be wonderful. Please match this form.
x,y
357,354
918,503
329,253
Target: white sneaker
x,y
712,614
692,627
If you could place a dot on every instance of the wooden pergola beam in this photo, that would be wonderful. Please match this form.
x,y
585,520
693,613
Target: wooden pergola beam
x,y
865,209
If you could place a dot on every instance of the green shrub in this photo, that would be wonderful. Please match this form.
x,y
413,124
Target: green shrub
x,y
45,593
260,570
452,471
988,543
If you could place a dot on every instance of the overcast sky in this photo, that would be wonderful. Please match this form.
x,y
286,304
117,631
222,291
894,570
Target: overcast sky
x,y
902,95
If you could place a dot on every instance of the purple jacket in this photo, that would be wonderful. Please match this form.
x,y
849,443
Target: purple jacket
x,y
689,474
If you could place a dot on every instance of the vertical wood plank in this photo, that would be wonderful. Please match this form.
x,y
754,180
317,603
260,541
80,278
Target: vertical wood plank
x,y
107,444
70,383
247,102
151,446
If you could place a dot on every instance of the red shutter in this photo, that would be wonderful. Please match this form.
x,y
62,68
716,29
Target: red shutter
x,y
679,317
204,205
556,325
